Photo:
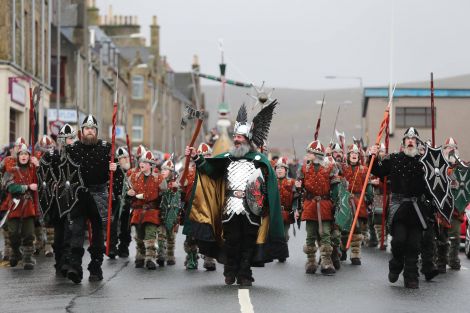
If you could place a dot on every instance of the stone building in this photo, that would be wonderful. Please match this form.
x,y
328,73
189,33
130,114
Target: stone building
x,y
412,107
158,96
25,54
89,64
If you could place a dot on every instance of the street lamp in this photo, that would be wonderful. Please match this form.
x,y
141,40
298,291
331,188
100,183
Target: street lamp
x,y
361,86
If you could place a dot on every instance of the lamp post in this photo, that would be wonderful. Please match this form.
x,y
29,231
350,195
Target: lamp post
x,y
361,86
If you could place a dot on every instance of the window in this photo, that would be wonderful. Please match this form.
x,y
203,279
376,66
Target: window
x,y
137,87
63,63
137,128
413,116
13,119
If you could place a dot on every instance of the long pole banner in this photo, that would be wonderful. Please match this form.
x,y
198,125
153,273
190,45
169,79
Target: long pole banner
x,y
111,173
317,129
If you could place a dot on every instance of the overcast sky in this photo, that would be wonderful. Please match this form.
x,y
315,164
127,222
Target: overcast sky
x,y
294,43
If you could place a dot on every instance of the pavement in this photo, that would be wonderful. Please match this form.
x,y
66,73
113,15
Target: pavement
x,y
279,287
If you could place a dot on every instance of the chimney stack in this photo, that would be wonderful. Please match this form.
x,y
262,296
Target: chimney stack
x,y
155,38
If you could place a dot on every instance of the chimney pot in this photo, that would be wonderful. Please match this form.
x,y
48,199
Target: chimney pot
x,y
154,20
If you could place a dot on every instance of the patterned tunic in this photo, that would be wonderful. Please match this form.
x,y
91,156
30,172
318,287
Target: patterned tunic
x,y
17,180
356,176
286,191
145,210
317,181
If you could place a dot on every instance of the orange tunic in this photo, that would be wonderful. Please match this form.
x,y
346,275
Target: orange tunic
x,y
188,185
286,192
317,183
356,177
26,207
145,210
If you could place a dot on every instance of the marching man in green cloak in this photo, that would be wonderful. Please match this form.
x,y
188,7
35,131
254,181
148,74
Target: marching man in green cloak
x,y
235,214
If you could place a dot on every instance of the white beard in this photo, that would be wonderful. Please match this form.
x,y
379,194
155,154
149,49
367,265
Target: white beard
x,y
239,152
411,152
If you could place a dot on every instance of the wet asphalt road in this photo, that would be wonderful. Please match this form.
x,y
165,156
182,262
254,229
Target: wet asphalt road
x,y
278,288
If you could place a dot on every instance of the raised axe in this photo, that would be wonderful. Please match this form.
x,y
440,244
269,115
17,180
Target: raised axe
x,y
192,113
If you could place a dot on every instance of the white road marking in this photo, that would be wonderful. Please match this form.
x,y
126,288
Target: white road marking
x,y
464,268
245,302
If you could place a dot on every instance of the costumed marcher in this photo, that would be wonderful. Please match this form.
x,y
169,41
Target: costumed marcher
x,y
428,243
124,228
356,176
190,243
408,205
321,183
206,151
375,217
288,194
5,165
60,221
44,243
235,214
170,205
121,208
448,244
22,211
141,150
145,187
92,158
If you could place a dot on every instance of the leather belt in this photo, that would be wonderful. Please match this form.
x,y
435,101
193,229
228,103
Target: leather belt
x,y
320,224
235,193
310,196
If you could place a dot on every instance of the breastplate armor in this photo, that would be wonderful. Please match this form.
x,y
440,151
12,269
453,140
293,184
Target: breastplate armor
x,y
236,183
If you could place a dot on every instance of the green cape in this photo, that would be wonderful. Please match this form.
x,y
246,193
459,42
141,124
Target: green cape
x,y
203,217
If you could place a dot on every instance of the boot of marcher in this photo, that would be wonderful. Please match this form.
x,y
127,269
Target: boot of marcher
x,y
311,264
140,254
96,273
454,260
15,256
123,250
245,274
162,250
442,257
410,273
378,231
326,264
150,254
209,263
356,249
75,271
94,267
373,238
48,251
191,262
170,250
335,258
28,260
6,245
39,241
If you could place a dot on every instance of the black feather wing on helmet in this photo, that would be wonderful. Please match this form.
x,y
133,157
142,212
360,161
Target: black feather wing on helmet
x,y
262,123
242,116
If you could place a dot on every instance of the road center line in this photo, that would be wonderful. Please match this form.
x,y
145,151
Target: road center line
x,y
245,302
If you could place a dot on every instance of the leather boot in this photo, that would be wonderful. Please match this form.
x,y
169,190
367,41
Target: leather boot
x,y
326,264
150,254
311,264
28,260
